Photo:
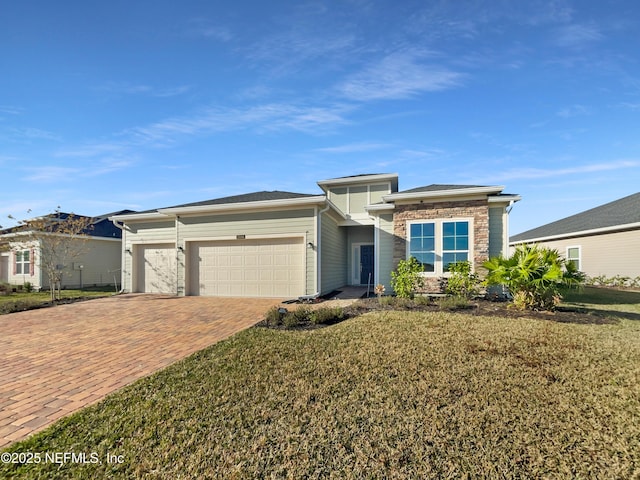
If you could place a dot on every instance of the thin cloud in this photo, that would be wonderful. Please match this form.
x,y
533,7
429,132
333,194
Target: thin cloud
x,y
575,35
537,173
398,76
353,148
574,111
48,174
147,90
9,110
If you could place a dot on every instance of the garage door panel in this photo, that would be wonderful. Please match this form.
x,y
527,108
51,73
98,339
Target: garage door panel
x,y
252,268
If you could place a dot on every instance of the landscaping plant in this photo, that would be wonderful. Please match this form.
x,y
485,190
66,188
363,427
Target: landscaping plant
x,y
406,279
534,275
462,282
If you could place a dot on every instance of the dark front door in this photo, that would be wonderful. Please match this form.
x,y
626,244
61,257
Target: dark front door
x,y
366,264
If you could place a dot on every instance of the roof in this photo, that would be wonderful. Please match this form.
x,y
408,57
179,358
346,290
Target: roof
x,y
439,187
99,226
620,212
249,197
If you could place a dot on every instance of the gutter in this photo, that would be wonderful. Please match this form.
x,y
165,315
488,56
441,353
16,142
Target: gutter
x,y
124,231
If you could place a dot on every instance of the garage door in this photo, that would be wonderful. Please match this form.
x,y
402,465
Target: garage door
x,y
247,268
156,268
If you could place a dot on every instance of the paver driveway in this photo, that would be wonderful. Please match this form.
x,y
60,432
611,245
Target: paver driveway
x,y
55,361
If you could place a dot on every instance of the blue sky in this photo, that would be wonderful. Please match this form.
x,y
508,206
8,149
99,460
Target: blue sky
x,y
145,104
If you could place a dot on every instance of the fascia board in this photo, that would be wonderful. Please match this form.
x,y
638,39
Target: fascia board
x,y
244,206
583,233
138,217
383,207
458,192
505,199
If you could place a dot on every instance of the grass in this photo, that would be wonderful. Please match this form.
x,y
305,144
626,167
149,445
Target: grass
x,y
19,301
384,395
614,302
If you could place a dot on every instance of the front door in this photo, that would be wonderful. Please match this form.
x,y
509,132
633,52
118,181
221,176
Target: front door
x,y
366,264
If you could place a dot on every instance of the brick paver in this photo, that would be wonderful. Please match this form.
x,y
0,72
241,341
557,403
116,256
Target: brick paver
x,y
55,361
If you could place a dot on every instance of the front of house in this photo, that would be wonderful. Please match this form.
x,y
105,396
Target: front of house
x,y
95,262
288,245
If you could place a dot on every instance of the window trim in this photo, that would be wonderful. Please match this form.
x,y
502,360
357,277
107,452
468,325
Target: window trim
x,y
438,230
20,263
579,259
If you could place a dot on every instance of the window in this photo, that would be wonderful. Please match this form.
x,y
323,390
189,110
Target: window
x,y
573,256
22,262
422,245
439,243
455,243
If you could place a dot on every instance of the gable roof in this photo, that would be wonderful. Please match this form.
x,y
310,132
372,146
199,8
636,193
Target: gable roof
x,y
624,211
99,226
262,196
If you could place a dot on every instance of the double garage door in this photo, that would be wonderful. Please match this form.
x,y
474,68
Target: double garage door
x,y
273,267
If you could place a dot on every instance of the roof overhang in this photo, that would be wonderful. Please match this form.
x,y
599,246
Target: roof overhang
x,y
504,198
286,203
382,177
380,207
138,217
582,233
443,194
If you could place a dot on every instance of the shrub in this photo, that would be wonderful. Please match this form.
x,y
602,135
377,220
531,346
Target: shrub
x,y
406,279
5,288
462,282
453,303
327,315
28,287
534,275
274,316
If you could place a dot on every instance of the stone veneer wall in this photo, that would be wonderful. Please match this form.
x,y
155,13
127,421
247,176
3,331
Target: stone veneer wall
x,y
476,209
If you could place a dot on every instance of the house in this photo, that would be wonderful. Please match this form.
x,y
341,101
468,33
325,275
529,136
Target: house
x,y
283,244
602,241
97,262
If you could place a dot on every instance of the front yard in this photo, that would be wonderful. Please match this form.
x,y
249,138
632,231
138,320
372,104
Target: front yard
x,y
22,300
384,395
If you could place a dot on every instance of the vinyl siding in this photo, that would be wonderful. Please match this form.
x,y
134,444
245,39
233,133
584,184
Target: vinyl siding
x,y
143,232
610,254
497,234
333,255
294,223
385,251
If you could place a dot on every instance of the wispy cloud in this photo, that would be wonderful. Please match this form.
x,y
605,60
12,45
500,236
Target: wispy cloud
x,y
147,90
10,110
262,118
398,76
353,148
573,111
51,174
538,173
577,36
205,28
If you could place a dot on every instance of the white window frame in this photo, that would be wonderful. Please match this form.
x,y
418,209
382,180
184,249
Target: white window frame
x,y
579,259
438,231
21,263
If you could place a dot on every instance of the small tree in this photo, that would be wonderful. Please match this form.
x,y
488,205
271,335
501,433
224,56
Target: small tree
x,y
60,238
407,279
534,275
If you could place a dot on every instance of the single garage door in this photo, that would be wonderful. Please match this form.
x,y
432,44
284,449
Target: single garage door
x,y
156,268
247,268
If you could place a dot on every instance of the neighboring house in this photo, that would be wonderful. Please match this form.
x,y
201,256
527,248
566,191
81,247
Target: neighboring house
x,y
282,244
97,264
602,241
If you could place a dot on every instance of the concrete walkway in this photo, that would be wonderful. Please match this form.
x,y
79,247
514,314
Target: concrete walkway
x,y
55,361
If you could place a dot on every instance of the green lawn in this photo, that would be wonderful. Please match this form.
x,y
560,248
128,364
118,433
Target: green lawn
x,y
24,300
383,395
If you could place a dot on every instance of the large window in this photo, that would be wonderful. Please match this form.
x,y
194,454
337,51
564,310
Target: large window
x,y
23,265
439,243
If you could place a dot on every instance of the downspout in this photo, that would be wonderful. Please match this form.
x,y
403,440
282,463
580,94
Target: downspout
x,y
122,271
178,251
505,245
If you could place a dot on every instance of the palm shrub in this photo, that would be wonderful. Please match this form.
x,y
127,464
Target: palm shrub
x,y
534,275
406,279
